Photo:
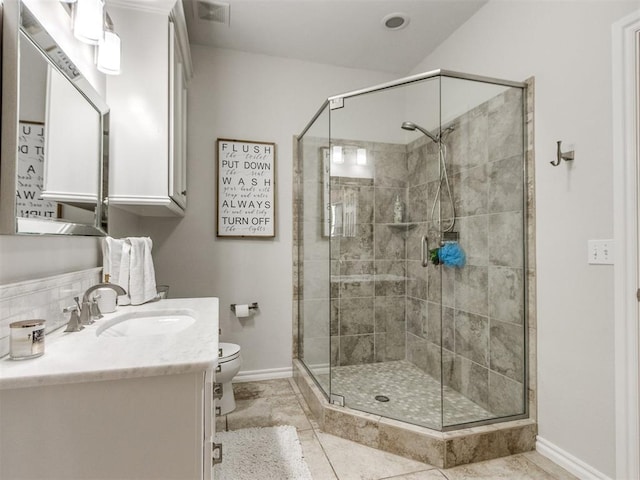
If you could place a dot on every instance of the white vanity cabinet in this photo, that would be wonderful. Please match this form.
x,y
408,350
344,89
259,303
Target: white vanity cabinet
x,y
148,103
115,406
143,428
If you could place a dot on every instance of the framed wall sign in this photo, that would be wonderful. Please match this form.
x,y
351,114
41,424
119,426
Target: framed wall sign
x,y
30,174
246,188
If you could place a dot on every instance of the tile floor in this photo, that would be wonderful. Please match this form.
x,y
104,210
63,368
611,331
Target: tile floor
x,y
279,402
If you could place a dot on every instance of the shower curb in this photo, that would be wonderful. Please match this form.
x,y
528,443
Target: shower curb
x,y
440,449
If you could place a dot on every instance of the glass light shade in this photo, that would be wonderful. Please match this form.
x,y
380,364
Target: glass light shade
x,y
109,54
336,154
361,156
88,21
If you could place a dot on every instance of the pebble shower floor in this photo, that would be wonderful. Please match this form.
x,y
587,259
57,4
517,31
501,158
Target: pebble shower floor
x,y
413,395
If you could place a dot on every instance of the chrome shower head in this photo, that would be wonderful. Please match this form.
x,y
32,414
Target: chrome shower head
x,y
412,126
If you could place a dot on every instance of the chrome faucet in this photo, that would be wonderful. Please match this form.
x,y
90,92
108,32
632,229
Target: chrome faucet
x,y
74,324
89,308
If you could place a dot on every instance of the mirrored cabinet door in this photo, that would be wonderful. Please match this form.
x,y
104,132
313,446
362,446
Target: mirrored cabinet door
x,y
178,123
54,134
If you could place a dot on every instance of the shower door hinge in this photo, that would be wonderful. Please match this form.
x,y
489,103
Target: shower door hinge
x,y
337,399
638,294
336,102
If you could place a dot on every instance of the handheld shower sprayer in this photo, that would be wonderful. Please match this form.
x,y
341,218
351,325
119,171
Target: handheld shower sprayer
x,y
444,178
412,126
436,138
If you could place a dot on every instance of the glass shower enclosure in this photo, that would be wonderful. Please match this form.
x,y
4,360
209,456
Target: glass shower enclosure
x,y
411,205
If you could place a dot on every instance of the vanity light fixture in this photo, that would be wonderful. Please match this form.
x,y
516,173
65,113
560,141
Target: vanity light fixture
x,y
92,24
88,21
108,60
361,156
336,154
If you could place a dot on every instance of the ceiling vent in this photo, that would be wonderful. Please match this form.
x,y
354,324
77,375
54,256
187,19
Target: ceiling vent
x,y
217,12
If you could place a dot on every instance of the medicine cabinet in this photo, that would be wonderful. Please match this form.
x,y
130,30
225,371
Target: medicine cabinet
x,y
148,102
55,129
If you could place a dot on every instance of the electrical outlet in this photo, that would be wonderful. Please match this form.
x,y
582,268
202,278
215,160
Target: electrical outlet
x,y
600,252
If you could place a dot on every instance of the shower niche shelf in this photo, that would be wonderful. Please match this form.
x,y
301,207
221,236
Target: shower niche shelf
x,y
402,227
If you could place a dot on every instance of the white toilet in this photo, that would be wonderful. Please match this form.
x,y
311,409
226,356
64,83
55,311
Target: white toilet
x,y
230,364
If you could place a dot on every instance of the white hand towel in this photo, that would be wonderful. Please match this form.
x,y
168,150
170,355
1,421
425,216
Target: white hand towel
x,y
142,276
124,273
115,264
112,258
106,257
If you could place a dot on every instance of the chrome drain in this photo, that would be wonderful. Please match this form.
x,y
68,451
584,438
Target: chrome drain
x,y
382,398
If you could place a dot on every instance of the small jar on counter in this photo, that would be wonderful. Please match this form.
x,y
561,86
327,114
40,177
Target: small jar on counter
x,y
26,339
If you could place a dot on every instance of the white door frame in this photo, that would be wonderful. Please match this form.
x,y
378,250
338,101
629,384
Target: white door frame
x,y
626,163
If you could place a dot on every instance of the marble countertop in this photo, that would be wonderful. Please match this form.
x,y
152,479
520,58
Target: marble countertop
x,y
75,357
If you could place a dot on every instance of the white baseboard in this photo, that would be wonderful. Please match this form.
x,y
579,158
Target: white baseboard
x,y
268,374
567,461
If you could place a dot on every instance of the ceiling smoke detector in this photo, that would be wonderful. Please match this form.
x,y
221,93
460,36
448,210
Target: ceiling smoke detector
x,y
217,12
395,21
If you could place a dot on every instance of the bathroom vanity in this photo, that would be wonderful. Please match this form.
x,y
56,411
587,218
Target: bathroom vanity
x,y
130,396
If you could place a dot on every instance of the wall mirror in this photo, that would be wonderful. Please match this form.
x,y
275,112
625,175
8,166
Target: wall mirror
x,y
55,131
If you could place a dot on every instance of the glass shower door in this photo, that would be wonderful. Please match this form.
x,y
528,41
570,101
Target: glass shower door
x,y
483,319
388,327
313,262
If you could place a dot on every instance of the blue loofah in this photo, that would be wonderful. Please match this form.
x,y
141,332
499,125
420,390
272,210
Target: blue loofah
x,y
452,255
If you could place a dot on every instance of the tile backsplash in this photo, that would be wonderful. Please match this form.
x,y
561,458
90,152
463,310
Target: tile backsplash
x,y
43,298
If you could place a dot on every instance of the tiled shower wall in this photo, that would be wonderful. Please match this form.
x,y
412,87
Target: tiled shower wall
x,y
364,291
368,284
472,316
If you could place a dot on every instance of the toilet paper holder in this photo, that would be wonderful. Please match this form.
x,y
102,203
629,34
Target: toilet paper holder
x,y
252,306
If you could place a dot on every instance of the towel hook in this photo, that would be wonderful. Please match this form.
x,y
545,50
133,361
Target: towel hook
x,y
560,155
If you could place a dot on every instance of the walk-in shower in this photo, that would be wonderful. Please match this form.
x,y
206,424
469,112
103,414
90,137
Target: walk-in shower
x,y
386,178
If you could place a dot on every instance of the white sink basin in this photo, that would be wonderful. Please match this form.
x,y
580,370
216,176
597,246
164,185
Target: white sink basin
x,y
145,324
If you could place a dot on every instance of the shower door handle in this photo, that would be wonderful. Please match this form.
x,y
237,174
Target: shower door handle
x,y
424,251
